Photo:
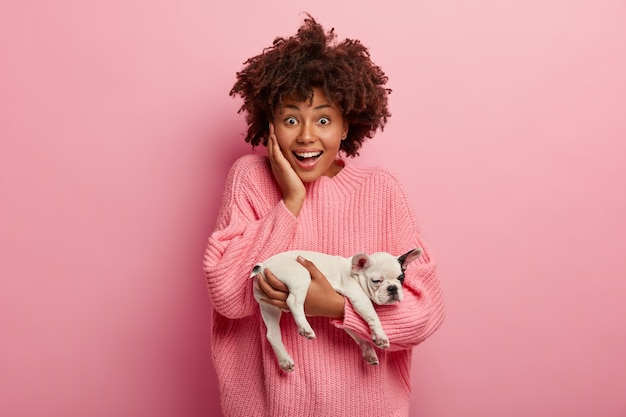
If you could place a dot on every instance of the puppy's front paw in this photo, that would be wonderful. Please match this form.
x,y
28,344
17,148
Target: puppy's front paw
x,y
309,334
381,340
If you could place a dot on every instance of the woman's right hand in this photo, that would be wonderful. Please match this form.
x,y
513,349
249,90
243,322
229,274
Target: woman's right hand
x,y
290,184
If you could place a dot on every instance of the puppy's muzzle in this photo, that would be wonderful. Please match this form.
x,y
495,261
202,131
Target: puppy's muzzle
x,y
393,293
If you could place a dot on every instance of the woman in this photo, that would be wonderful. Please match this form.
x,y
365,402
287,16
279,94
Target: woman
x,y
313,101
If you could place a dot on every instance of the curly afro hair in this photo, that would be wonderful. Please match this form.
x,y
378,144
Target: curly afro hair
x,y
313,58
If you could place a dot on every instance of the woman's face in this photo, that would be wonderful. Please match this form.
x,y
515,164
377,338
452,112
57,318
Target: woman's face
x,y
309,134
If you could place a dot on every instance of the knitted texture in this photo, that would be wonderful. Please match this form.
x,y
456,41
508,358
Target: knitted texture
x,y
358,210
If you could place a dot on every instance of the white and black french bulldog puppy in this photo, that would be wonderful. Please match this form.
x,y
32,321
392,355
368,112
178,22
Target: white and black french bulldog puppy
x,y
363,279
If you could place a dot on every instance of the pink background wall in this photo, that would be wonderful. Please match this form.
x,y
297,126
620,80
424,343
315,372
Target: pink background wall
x,y
116,129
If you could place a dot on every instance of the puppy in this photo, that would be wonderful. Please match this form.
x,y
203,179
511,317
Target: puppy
x,y
363,279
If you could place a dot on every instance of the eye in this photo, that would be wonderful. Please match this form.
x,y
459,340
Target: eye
x,y
377,281
291,121
324,121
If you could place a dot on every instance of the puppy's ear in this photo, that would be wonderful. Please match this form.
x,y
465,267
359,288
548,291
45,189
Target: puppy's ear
x,y
409,257
360,261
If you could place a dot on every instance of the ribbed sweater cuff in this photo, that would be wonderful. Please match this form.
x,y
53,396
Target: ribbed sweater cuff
x,y
351,320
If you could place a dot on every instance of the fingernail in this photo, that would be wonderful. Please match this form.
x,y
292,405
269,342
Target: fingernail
x,y
301,259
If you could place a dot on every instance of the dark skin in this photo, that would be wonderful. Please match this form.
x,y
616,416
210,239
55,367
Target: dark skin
x,y
321,300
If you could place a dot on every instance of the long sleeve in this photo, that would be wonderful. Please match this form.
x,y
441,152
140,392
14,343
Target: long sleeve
x,y
422,309
357,210
253,223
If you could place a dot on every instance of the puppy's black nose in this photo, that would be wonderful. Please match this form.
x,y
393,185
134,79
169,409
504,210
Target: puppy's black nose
x,y
392,290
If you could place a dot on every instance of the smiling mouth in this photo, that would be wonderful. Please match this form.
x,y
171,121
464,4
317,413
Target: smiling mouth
x,y
307,156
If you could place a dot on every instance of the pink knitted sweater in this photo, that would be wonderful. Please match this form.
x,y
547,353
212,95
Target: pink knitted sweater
x,y
358,210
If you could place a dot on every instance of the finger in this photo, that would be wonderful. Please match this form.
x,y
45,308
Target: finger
x,y
277,153
273,138
271,292
310,266
276,303
270,143
268,293
274,152
304,262
277,284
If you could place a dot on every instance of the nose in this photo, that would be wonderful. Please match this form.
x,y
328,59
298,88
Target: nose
x,y
392,290
307,133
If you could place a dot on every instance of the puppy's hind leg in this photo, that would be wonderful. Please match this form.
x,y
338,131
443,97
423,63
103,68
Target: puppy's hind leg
x,y
271,316
369,354
295,302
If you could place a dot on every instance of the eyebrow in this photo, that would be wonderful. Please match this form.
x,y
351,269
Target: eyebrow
x,y
294,107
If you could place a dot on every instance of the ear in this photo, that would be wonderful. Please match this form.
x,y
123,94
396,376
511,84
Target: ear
x,y
409,257
360,261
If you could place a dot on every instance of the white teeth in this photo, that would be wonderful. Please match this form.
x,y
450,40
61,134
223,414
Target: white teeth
x,y
307,154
